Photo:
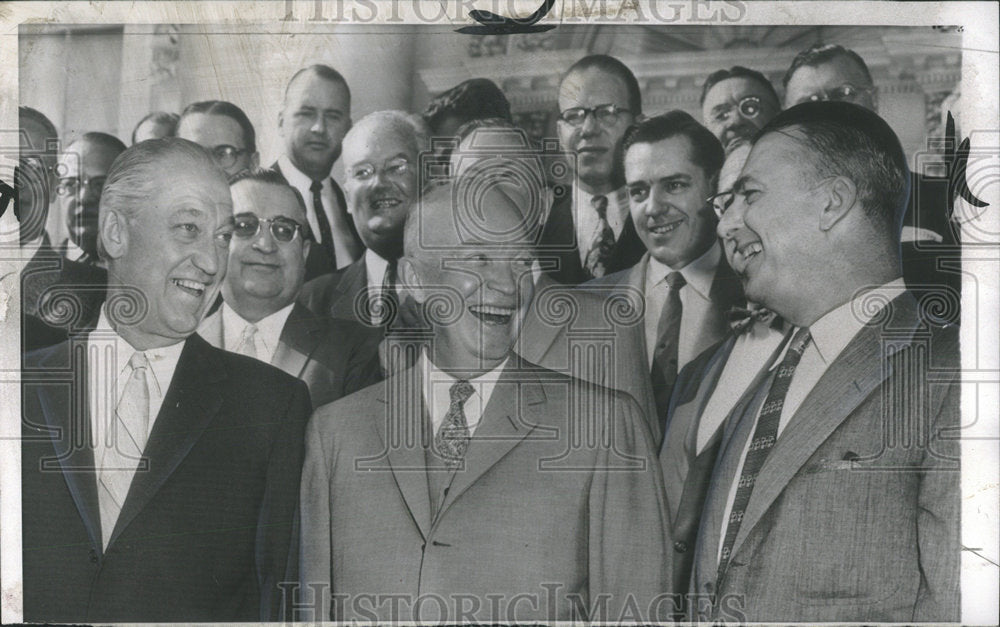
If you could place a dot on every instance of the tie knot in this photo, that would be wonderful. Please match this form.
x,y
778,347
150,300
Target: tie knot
x,y
799,341
675,281
249,331
138,361
600,204
316,187
461,390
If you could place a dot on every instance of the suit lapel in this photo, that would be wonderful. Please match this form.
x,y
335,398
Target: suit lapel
x,y
189,405
353,281
726,292
850,379
211,329
298,341
537,336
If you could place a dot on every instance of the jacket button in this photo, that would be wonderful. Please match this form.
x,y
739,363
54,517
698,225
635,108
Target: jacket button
x,y
680,546
93,556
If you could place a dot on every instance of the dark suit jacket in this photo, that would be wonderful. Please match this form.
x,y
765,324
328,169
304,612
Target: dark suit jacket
x,y
58,296
855,515
558,243
318,262
340,294
531,507
203,535
334,357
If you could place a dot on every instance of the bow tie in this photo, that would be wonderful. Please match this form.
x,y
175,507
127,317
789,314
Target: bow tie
x,y
740,319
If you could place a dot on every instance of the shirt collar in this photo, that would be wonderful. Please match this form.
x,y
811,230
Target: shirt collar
x,y
832,332
162,360
435,378
617,202
298,179
699,274
268,328
73,252
375,266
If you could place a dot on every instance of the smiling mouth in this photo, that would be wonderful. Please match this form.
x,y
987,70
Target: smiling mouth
x,y
489,314
743,254
257,265
663,229
385,203
195,288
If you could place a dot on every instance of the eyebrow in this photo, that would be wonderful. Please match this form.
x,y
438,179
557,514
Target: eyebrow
x,y
740,183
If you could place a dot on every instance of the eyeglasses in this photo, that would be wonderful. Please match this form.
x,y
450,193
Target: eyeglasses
x,y
844,93
282,229
393,168
72,185
748,106
721,202
606,114
226,155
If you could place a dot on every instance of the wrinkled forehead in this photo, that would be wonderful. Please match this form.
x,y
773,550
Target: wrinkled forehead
x,y
266,200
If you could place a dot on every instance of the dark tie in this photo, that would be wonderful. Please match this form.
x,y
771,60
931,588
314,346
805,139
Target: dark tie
x,y
389,298
452,438
764,436
604,241
668,330
325,232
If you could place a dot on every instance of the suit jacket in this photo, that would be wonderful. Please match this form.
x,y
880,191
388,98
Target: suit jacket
x,y
204,534
58,296
318,262
339,294
333,357
855,515
558,242
531,513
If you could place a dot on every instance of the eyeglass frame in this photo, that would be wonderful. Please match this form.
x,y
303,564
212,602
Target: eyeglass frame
x,y
386,168
300,230
823,95
236,152
79,184
609,107
723,115
732,193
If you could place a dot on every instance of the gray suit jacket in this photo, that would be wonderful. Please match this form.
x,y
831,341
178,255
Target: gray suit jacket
x,y
536,526
855,515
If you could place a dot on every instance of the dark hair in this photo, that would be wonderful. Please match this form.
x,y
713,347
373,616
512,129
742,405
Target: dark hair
x,y
474,99
109,142
269,176
738,71
166,118
27,113
613,66
323,71
228,109
846,139
706,150
824,53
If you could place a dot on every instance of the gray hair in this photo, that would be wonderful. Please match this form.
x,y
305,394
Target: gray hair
x,y
411,124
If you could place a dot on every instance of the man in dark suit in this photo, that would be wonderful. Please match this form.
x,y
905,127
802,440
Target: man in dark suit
x,y
313,121
259,316
158,473
836,494
55,291
457,490
589,231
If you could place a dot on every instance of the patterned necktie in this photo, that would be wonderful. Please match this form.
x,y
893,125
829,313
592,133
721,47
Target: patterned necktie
x,y
126,443
668,329
603,241
325,232
248,341
764,436
452,438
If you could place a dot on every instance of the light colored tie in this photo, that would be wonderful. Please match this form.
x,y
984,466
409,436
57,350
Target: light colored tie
x,y
127,441
248,341
603,240
452,438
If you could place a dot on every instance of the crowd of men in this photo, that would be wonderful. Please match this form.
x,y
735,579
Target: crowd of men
x,y
695,381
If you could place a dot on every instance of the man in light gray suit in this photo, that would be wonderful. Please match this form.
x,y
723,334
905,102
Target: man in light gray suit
x,y
476,486
836,493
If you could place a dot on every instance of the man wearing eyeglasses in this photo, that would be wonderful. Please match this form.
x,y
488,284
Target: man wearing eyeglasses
x,y
82,170
224,130
259,317
589,230
736,103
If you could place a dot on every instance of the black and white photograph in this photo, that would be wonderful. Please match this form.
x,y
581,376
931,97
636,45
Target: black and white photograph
x,y
500,311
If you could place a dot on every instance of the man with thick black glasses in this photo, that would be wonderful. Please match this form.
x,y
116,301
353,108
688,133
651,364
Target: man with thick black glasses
x,y
224,130
259,317
589,230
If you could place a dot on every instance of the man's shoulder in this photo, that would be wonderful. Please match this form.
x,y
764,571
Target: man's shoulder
x,y
355,412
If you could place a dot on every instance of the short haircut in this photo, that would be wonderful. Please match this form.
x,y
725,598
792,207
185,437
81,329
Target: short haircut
x,y
845,139
268,176
737,71
228,109
165,118
108,142
27,113
131,181
474,99
613,66
323,71
824,53
706,150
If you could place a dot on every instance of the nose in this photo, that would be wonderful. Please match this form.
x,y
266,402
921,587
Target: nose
x,y
319,125
732,220
209,258
590,124
501,277
264,242
90,194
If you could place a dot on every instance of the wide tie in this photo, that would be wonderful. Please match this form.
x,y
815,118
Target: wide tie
x,y
248,341
604,239
325,232
452,438
386,302
668,329
764,436
124,445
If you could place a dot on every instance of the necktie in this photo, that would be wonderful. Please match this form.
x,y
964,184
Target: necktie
x,y
668,329
604,239
764,436
248,341
452,438
126,443
386,302
325,232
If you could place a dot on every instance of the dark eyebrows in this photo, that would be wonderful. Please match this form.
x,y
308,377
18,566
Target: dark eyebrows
x,y
740,183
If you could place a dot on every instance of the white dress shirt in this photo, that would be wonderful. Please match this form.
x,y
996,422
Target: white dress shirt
x,y
586,221
268,331
73,252
695,303
830,336
437,393
108,372
342,241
